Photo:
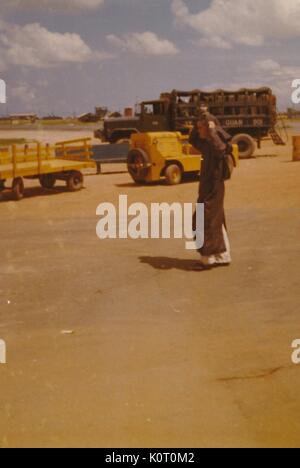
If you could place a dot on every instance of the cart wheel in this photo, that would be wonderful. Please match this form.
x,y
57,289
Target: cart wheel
x,y
75,181
48,181
2,185
18,188
173,174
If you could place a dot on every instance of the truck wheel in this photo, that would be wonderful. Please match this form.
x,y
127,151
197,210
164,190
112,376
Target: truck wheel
x,y
173,174
18,188
138,165
246,145
48,181
75,181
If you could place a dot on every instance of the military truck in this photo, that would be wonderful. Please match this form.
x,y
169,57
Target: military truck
x,y
149,116
249,115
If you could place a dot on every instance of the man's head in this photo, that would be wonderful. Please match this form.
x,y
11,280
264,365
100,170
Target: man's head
x,y
206,122
203,108
203,128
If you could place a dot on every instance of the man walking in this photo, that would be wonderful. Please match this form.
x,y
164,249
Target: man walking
x,y
213,142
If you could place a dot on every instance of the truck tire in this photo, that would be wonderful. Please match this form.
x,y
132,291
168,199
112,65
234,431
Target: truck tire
x,y
75,181
173,174
138,165
48,181
2,185
246,145
18,188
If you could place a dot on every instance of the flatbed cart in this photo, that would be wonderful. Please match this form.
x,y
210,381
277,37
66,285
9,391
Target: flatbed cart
x,y
37,161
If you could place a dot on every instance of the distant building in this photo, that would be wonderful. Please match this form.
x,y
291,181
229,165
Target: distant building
x,y
32,118
100,113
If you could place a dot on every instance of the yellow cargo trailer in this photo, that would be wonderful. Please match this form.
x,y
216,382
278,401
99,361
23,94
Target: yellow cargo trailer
x,y
37,161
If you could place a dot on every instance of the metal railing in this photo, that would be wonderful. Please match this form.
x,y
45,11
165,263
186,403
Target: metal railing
x,y
74,150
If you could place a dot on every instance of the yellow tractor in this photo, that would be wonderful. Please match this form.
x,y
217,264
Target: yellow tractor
x,y
163,155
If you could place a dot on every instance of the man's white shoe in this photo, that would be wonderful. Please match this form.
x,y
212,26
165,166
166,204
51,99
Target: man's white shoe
x,y
223,259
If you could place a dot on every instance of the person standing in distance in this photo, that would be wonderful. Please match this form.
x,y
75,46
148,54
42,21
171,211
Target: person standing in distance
x,y
213,142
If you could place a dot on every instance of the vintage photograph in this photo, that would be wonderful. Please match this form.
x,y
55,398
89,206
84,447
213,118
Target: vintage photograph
x,y
150,206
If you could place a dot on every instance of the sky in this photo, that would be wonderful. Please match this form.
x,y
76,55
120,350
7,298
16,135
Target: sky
x,y
65,57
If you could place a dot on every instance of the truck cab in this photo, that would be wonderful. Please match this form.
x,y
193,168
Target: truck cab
x,y
149,116
154,116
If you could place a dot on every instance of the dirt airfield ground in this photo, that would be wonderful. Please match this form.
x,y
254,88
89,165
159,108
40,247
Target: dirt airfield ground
x,y
159,356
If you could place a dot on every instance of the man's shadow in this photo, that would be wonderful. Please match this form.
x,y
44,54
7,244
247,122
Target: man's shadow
x,y
165,263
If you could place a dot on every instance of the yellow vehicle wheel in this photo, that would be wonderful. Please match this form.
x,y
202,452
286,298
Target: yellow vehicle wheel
x,y
173,174
137,163
18,188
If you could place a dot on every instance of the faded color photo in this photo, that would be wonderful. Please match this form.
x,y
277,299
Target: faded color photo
x,y
150,206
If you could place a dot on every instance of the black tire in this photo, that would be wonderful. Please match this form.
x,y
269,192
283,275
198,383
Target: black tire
x,y
2,185
48,181
18,188
246,145
173,174
138,165
75,181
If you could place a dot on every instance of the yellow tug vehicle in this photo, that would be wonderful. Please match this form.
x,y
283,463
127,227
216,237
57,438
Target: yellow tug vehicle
x,y
164,155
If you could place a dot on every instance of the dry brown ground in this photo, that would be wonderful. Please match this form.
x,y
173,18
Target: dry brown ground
x,y
160,356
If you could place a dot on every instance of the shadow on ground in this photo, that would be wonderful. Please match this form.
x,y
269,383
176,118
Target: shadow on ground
x,y
186,180
32,192
165,263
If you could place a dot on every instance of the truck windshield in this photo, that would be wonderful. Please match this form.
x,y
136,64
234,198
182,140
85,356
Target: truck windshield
x,y
155,108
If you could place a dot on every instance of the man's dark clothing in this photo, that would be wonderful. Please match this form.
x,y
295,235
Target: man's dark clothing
x,y
212,187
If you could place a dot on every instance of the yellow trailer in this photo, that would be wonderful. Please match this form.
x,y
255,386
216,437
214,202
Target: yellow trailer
x,y
37,161
167,155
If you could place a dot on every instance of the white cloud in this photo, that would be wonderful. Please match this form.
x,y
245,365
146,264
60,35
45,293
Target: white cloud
x,y
146,43
268,72
247,22
53,4
34,46
268,65
279,77
273,71
23,93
